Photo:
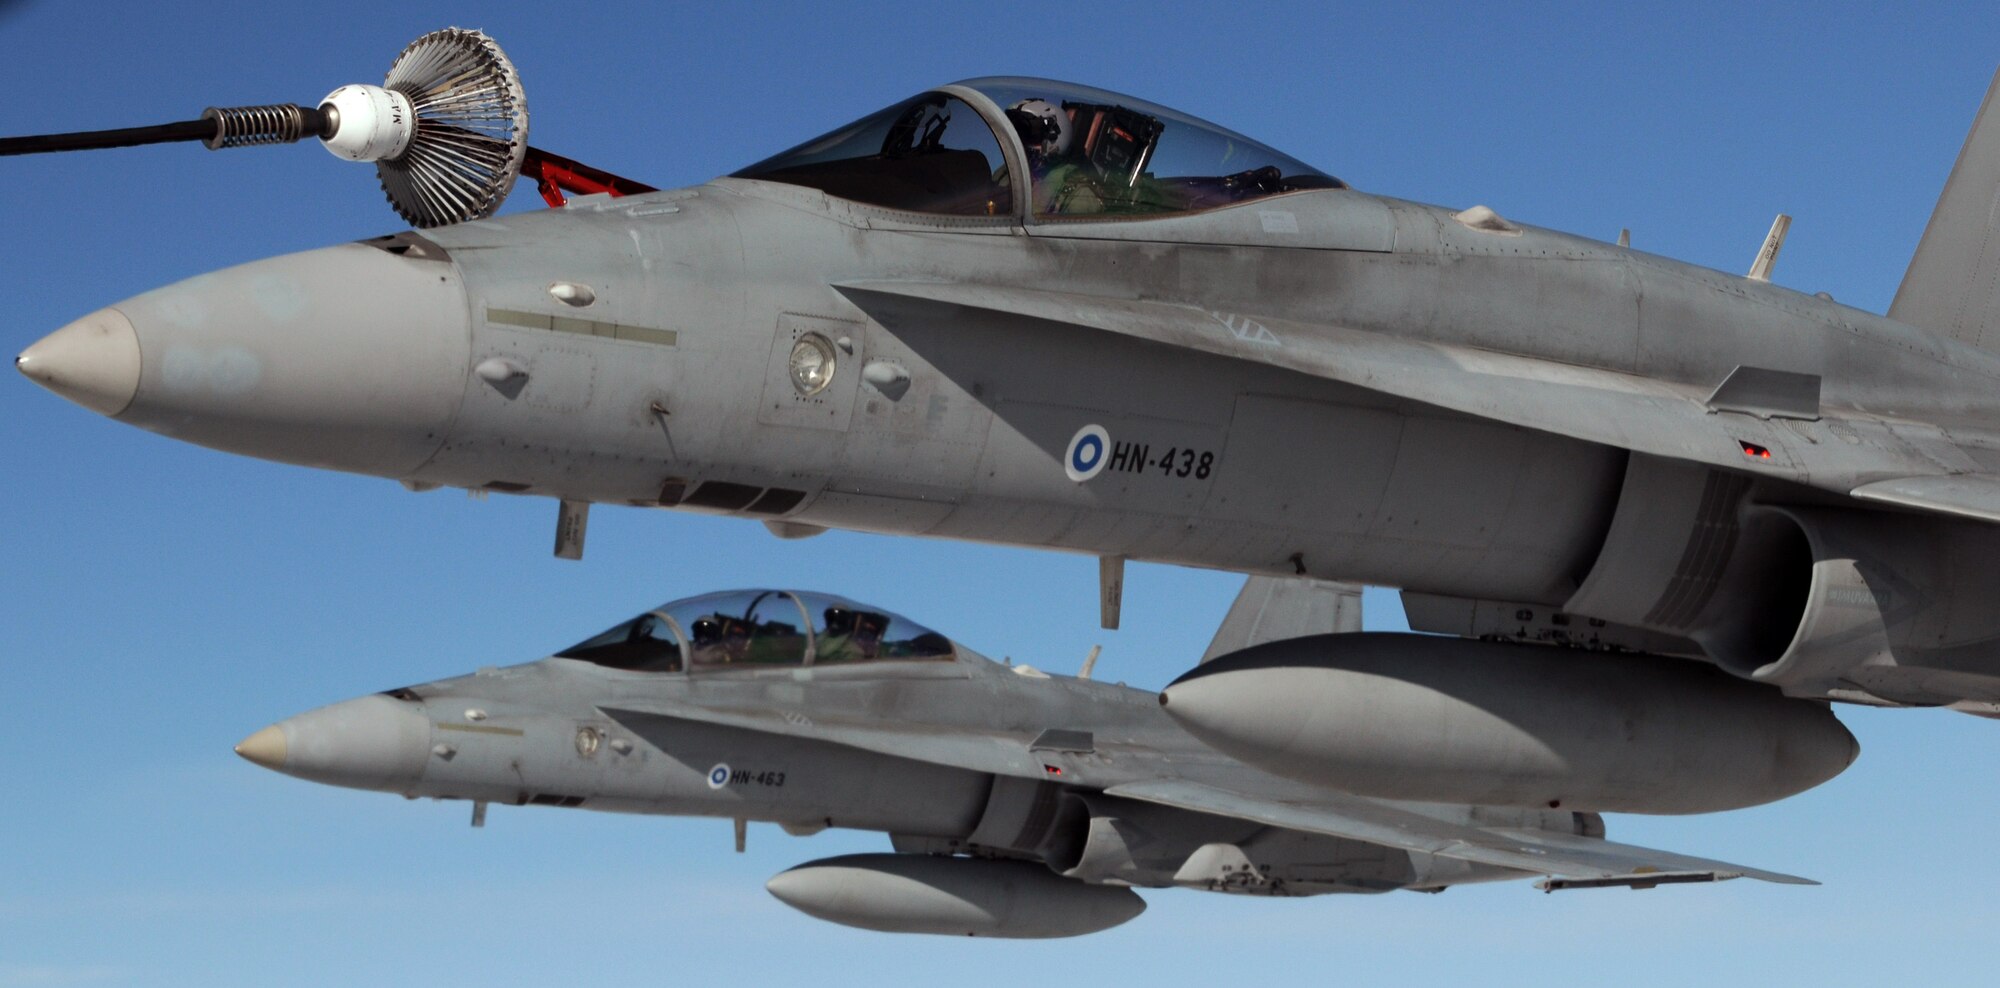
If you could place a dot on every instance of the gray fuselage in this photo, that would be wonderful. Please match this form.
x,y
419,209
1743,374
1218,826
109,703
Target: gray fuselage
x,y
637,350
568,733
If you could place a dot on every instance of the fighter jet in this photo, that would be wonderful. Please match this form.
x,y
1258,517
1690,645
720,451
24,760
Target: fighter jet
x,y
1019,802
1036,313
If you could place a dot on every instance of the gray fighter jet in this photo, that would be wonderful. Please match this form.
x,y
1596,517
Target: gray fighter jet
x,y
1028,312
1019,803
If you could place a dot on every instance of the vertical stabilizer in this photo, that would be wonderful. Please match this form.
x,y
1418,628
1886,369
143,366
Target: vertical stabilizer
x,y
1270,609
1953,285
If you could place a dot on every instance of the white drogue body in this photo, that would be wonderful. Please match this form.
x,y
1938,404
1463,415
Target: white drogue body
x,y
373,123
1448,720
913,893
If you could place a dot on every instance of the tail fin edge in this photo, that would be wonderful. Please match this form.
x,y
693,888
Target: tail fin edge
x,y
1953,282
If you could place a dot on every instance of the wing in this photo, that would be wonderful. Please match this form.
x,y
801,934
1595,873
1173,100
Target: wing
x,y
1839,450
1570,861
1967,495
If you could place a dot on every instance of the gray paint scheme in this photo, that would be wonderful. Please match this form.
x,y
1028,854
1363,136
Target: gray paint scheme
x,y
1424,717
1953,284
1443,401
1268,609
951,758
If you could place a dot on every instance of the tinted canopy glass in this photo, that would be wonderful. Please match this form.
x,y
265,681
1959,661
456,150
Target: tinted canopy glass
x,y
748,629
742,628
844,631
1096,153
646,643
931,154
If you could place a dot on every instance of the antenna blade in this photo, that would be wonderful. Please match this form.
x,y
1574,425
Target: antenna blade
x,y
1089,662
1767,255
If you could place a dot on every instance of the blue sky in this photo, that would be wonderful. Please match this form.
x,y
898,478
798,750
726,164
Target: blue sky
x,y
162,601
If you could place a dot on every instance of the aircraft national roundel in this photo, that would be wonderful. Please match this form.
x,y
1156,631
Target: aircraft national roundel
x,y
718,776
1088,451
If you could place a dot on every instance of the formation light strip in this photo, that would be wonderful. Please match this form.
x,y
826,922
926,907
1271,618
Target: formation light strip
x,y
582,327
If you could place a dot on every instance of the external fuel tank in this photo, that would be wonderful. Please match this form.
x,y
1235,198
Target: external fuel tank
x,y
1434,719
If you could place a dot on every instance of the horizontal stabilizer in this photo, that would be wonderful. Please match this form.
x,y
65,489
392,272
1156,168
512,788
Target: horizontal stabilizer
x,y
1537,852
1967,495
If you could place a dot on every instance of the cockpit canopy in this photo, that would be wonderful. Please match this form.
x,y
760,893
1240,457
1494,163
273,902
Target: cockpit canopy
x,y
1087,153
931,154
760,629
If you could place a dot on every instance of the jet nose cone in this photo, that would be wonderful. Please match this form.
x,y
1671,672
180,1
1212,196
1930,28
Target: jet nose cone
x,y
374,742
93,361
348,357
266,748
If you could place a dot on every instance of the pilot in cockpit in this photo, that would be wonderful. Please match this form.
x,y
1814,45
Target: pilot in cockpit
x,y
1086,158
718,639
1048,135
850,636
1044,130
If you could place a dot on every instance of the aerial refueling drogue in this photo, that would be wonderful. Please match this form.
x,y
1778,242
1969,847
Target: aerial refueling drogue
x,y
447,132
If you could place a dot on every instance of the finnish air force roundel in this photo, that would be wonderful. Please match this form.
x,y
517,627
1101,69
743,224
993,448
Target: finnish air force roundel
x,y
1087,453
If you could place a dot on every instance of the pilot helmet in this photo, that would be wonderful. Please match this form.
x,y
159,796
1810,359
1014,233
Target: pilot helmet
x,y
1044,127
